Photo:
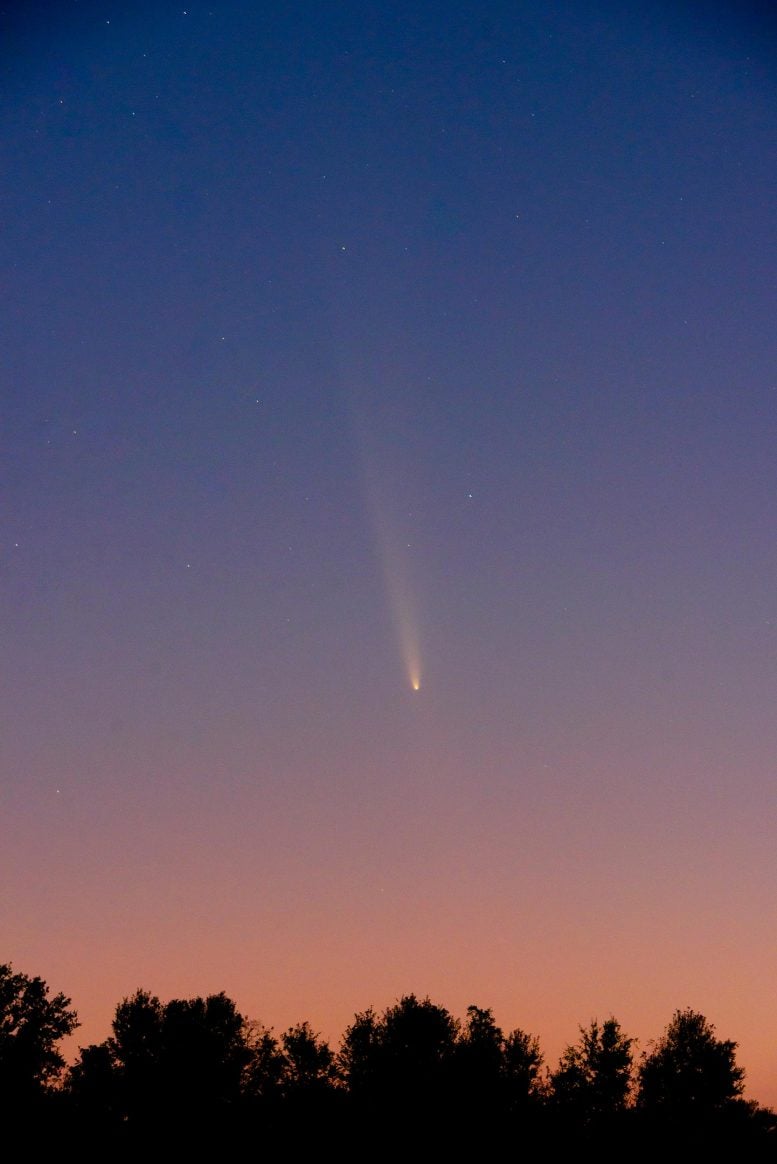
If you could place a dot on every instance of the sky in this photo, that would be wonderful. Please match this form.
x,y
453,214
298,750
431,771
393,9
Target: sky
x,y
388,495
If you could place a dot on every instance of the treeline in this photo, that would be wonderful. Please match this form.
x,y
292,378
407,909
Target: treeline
x,y
195,1075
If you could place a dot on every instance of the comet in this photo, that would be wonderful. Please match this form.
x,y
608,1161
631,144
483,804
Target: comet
x,y
395,573
396,569
389,507
413,664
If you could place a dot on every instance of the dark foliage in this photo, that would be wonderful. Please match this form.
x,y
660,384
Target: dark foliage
x,y
690,1087
165,1068
589,1092
435,1083
689,1071
31,1026
593,1079
193,1077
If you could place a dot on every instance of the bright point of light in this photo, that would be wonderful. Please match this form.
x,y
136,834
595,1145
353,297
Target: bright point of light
x,y
412,659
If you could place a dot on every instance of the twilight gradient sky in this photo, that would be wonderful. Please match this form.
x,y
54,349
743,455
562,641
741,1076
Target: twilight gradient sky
x,y
349,340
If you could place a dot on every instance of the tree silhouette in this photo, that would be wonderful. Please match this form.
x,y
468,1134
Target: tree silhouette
x,y
479,1066
136,1050
31,1026
359,1058
265,1072
477,1097
193,1077
399,1067
94,1092
522,1065
457,1086
690,1091
690,1072
203,1056
496,1091
311,1096
310,1063
175,1066
593,1078
416,1044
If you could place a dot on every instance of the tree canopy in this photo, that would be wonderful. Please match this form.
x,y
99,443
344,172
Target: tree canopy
x,y
593,1078
690,1071
31,1026
193,1074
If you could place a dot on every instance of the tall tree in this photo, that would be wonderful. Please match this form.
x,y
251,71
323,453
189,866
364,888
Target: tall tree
x,y
690,1072
94,1090
136,1049
593,1078
204,1055
359,1057
399,1067
478,1077
181,1064
31,1026
496,1085
265,1071
522,1065
310,1063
